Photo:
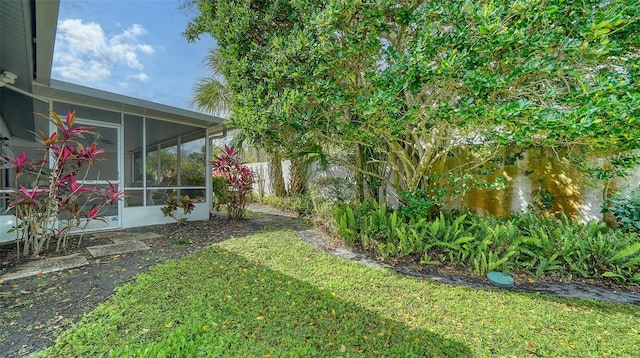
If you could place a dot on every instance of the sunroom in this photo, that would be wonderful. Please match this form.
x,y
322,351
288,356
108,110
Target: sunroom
x,y
151,151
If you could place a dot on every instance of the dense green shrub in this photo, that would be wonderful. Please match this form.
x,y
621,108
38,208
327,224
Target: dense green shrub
x,y
626,210
523,243
220,188
419,203
327,191
300,204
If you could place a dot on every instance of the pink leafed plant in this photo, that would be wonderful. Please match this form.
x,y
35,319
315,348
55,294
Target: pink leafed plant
x,y
240,179
59,202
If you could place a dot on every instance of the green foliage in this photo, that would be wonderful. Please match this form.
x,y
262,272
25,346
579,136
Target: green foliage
x,y
617,165
366,223
626,210
211,94
389,76
220,187
523,243
167,164
542,201
192,173
330,190
271,293
300,204
420,203
186,204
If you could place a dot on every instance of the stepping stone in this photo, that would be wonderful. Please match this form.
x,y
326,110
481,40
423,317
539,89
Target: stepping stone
x,y
47,265
117,248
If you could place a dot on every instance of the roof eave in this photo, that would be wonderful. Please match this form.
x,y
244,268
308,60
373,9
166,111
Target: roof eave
x,y
91,97
46,15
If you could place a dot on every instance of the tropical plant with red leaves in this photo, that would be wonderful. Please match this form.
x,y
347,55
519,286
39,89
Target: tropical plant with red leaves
x,y
239,177
59,202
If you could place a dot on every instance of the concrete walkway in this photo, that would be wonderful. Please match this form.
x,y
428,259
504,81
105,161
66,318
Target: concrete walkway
x,y
123,242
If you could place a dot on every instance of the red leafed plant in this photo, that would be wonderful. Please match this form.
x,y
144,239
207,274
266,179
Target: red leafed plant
x,y
240,179
58,201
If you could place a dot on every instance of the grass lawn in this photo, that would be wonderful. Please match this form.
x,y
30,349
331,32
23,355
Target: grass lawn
x,y
272,295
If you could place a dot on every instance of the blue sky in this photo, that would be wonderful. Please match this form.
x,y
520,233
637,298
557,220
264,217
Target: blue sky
x,y
130,47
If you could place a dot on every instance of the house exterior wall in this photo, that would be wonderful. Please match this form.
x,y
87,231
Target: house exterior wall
x,y
145,216
34,25
5,220
4,131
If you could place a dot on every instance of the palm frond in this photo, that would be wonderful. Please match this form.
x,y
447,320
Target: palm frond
x,y
212,96
215,62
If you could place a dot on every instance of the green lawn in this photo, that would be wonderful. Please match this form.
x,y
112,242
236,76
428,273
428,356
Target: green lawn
x,y
271,295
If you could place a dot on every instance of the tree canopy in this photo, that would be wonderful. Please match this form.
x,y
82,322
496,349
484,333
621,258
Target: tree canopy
x,y
406,84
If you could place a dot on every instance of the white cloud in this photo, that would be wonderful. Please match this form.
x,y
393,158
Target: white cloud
x,y
76,69
142,77
136,30
85,53
146,49
85,37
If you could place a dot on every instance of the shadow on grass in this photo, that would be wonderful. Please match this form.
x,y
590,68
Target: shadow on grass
x,y
216,303
277,223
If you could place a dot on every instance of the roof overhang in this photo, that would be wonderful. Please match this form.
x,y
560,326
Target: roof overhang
x,y
46,13
91,97
27,41
16,42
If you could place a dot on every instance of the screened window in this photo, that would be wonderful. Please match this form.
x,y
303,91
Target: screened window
x,y
174,161
133,161
7,177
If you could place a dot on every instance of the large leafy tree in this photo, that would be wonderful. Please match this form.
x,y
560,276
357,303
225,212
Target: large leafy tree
x,y
242,29
248,33
214,96
407,84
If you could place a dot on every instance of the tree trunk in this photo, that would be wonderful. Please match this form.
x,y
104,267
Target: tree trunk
x,y
276,179
297,177
359,174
